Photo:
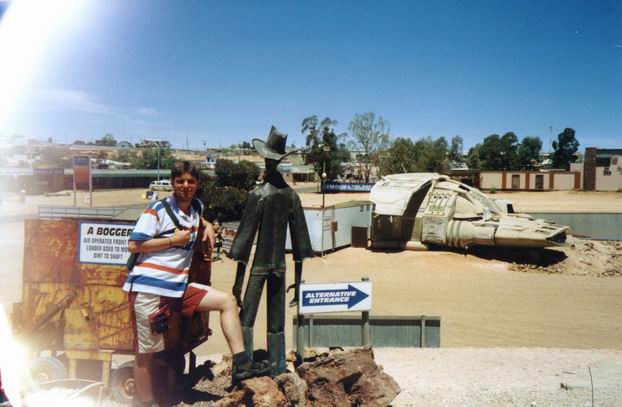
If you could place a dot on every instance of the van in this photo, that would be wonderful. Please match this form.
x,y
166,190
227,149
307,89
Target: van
x,y
161,185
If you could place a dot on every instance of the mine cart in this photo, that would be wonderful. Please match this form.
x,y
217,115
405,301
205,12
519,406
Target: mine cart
x,y
73,306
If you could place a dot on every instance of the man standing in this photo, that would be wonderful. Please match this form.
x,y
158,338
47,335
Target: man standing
x,y
158,283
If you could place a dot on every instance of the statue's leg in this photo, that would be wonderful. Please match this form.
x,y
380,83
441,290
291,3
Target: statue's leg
x,y
276,321
252,296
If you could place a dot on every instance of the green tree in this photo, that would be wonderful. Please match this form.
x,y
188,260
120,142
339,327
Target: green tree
x,y
432,154
242,175
108,140
399,158
455,151
324,151
564,149
473,161
529,152
509,151
126,156
149,157
225,195
370,137
499,153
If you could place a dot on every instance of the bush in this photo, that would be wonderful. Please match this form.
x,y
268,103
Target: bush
x,y
221,203
493,190
242,175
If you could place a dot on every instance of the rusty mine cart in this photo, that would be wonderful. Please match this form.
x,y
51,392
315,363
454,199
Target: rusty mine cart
x,y
74,309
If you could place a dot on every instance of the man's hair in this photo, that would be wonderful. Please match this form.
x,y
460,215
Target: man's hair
x,y
184,167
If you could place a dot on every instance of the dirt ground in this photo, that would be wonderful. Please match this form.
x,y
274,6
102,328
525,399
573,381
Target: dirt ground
x,y
483,302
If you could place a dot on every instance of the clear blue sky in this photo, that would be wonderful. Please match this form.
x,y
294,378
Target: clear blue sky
x,y
224,72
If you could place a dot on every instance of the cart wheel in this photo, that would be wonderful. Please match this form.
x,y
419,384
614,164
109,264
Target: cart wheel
x,y
122,386
47,368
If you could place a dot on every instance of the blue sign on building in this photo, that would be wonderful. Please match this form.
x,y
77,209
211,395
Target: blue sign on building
x,y
331,186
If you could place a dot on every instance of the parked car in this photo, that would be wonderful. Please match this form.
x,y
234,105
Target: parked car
x,y
161,185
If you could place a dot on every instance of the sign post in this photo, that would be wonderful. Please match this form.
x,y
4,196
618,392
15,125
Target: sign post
x,y
333,297
82,175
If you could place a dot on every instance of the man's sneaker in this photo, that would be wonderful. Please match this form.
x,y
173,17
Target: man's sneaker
x,y
250,369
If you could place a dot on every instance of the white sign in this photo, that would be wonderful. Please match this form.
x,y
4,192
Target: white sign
x,y
104,243
334,297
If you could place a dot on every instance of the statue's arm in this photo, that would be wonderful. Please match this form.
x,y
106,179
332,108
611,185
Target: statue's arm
x,y
297,280
236,290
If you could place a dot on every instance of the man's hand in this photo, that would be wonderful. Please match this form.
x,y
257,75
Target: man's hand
x,y
181,237
209,240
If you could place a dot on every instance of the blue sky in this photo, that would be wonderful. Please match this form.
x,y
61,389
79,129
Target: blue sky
x,y
224,72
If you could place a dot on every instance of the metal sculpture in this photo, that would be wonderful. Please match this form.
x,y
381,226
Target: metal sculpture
x,y
270,209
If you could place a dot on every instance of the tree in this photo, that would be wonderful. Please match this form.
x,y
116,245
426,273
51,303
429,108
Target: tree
x,y
432,154
455,151
565,148
225,196
149,157
242,175
529,152
126,156
108,140
370,136
324,149
473,160
509,151
399,158
499,153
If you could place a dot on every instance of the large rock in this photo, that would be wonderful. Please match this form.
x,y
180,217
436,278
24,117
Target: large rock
x,y
349,377
258,392
293,387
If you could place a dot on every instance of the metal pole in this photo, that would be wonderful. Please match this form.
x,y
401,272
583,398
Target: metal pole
x,y
323,202
300,332
365,324
323,182
158,162
90,184
74,182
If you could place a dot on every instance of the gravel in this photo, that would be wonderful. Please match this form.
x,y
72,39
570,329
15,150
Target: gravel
x,y
504,376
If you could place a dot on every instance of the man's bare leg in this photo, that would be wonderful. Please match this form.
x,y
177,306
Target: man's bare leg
x,y
226,304
142,376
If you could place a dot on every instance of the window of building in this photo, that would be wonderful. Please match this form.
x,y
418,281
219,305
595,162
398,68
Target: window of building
x,y
606,171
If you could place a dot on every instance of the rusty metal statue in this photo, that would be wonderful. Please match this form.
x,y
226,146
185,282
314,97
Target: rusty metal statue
x,y
271,208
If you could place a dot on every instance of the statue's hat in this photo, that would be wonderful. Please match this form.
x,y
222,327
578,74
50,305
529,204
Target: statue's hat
x,y
274,148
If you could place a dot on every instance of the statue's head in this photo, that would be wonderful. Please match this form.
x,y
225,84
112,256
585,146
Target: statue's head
x,y
271,165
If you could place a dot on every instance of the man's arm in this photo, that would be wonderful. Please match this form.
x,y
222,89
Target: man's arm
x,y
209,239
179,238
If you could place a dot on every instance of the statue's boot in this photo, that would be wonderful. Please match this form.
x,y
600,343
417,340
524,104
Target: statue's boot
x,y
276,351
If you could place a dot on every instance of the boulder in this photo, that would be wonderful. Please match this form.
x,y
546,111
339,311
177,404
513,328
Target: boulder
x,y
348,378
293,387
258,392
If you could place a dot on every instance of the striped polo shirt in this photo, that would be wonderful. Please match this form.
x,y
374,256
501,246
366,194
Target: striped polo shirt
x,y
163,272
